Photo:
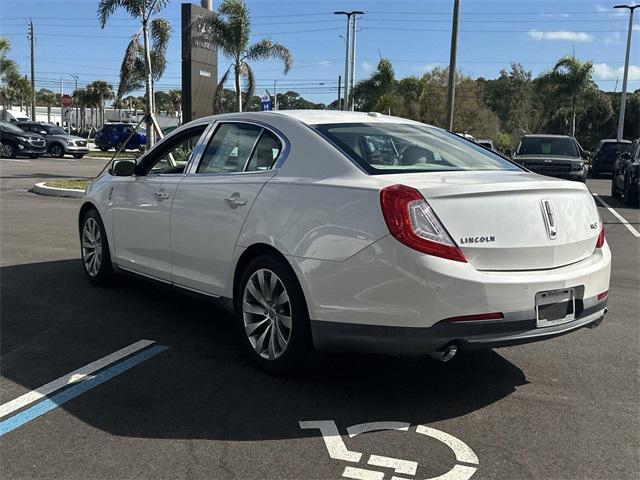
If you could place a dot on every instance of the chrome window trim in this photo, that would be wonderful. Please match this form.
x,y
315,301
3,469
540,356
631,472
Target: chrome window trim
x,y
282,157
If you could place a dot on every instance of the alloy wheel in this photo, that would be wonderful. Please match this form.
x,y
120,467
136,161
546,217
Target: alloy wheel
x,y
91,246
266,311
56,151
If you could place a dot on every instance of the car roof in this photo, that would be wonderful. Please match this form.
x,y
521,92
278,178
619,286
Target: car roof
x,y
613,140
545,135
312,117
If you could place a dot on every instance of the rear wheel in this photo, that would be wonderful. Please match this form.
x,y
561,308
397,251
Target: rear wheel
x,y
9,151
272,314
94,249
56,150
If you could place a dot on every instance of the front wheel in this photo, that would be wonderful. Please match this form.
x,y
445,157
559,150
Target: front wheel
x,y
9,151
273,317
78,155
57,150
94,249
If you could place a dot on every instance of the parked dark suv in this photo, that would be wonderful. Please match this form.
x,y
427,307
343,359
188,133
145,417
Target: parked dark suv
x,y
606,155
16,141
111,135
58,141
554,155
625,178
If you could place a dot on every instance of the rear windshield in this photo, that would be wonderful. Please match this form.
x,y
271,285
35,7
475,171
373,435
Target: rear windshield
x,y
402,148
614,147
557,146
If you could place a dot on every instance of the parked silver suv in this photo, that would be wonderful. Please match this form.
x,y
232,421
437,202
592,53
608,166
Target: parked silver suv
x,y
59,142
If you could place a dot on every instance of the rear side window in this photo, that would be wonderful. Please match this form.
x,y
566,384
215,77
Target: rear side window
x,y
265,153
401,148
556,146
614,147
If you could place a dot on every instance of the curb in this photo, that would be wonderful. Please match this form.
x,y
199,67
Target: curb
x,y
43,189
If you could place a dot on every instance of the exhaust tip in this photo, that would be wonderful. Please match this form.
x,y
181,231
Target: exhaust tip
x,y
446,354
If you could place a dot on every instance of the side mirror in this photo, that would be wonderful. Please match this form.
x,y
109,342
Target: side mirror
x,y
123,168
586,154
625,156
508,152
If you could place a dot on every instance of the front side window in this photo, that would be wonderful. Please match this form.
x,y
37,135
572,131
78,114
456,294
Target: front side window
x,y
173,157
230,148
401,148
554,146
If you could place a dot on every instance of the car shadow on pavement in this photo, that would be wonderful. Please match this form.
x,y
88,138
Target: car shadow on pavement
x,y
54,321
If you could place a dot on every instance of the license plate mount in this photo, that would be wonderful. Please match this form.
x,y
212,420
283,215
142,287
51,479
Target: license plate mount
x,y
554,307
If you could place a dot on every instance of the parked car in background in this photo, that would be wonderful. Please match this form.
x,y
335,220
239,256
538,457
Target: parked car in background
x,y
625,177
605,155
298,222
59,142
553,155
486,144
112,135
16,141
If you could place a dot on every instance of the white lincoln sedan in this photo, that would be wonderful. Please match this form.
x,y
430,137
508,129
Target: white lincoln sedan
x,y
342,231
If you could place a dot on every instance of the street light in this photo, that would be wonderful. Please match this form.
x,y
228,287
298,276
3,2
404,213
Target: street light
x,y
623,100
345,103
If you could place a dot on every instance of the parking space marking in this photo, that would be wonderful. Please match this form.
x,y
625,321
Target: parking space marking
x,y
623,220
400,466
70,378
354,430
332,440
362,474
74,391
15,160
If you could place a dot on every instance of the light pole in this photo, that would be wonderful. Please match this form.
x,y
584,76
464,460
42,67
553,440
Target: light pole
x,y
623,99
353,58
451,90
345,101
75,77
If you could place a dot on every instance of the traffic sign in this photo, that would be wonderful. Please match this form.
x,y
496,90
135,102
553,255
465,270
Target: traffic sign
x,y
66,101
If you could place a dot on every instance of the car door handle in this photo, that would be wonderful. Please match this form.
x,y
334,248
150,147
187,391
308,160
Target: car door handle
x,y
235,200
161,194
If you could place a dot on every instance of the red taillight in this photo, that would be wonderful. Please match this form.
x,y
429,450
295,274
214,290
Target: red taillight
x,y
479,316
600,241
603,295
410,220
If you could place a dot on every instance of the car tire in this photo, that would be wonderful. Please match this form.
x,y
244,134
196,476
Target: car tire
x,y
33,155
104,149
78,156
56,150
9,150
631,197
94,249
272,317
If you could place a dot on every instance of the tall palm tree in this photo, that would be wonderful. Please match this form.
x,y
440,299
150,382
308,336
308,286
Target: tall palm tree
x,y
141,10
101,91
175,99
229,31
572,78
47,98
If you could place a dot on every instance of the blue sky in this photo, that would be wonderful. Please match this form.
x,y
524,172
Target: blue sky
x,y
414,35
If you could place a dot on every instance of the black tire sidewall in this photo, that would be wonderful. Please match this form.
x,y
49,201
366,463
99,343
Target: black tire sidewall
x,y
105,273
10,150
57,151
300,348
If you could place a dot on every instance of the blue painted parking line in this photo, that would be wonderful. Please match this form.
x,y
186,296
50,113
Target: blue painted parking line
x,y
47,405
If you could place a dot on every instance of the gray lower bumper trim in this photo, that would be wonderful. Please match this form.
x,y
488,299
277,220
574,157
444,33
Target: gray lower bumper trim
x,y
346,337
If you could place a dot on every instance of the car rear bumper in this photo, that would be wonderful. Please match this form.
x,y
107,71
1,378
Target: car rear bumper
x,y
515,329
577,175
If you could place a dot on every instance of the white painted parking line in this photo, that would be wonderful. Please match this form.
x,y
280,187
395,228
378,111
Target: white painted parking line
x,y
15,160
400,466
332,440
623,220
71,378
354,430
362,474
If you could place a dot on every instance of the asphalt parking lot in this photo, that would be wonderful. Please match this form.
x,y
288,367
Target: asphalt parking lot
x,y
188,405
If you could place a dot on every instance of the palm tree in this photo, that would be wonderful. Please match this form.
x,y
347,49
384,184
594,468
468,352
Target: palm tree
x,y
572,78
101,91
175,99
141,10
229,31
48,99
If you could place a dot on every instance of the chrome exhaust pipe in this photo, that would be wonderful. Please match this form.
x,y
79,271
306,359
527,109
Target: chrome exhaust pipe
x,y
446,354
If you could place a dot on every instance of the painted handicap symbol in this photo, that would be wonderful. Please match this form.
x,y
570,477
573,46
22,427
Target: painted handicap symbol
x,y
404,469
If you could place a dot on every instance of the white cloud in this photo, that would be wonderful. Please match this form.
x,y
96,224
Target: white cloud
x,y
618,12
602,71
367,67
613,39
427,67
325,63
561,35
636,27
551,15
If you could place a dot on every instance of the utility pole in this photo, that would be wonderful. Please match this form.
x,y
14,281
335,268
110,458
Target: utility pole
x,y
353,59
275,94
346,59
451,90
623,99
75,77
339,88
33,72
